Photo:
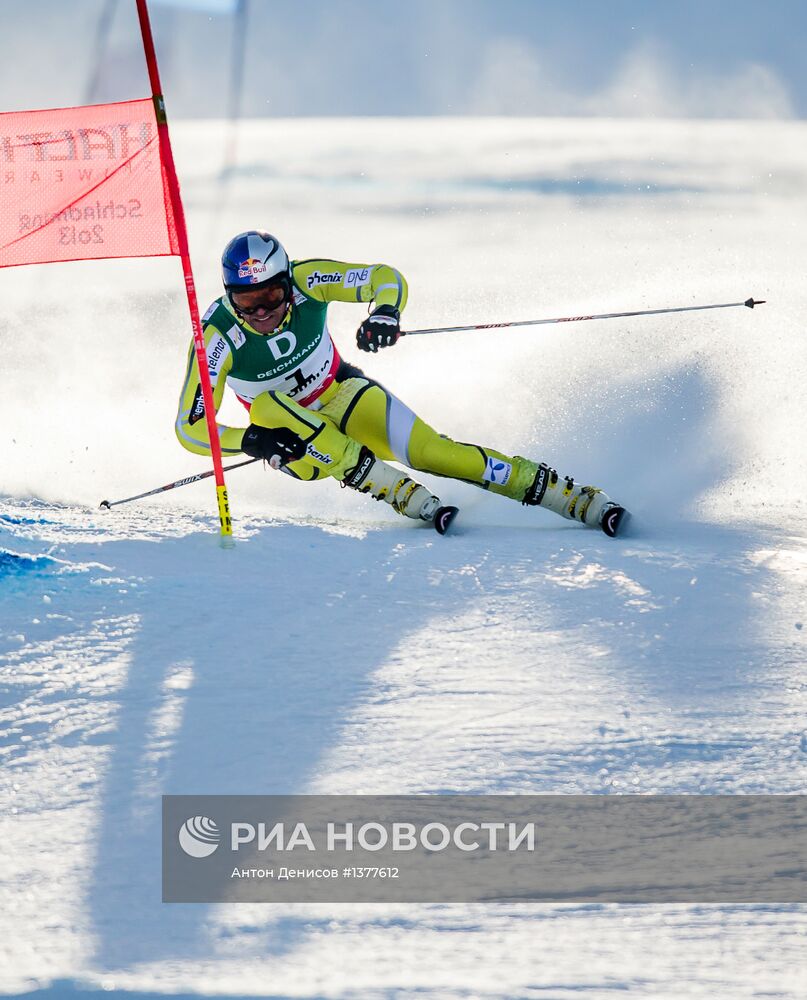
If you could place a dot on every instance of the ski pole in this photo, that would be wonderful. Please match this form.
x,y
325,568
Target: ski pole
x,y
107,504
579,319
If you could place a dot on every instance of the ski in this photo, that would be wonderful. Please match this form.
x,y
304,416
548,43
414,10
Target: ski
x,y
615,521
443,518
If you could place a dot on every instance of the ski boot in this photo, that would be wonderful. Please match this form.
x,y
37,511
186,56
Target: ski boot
x,y
383,482
586,504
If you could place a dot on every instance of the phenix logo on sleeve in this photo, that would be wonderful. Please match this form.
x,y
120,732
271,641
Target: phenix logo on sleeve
x,y
328,278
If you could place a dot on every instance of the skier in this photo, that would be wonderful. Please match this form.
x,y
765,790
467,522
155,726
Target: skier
x,y
313,414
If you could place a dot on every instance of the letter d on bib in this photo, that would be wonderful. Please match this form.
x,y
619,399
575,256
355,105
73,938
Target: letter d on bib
x,y
275,344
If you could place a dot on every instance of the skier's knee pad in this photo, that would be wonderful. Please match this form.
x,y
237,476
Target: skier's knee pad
x,y
360,409
341,405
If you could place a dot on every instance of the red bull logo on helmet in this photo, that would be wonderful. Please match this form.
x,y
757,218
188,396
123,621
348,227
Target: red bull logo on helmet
x,y
251,268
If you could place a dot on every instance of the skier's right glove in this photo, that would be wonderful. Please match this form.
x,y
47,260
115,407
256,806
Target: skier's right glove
x,y
276,445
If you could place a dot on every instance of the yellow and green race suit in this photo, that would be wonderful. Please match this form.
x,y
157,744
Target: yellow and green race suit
x,y
296,378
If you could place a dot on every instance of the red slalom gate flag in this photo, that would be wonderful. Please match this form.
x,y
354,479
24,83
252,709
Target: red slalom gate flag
x,y
82,184
99,181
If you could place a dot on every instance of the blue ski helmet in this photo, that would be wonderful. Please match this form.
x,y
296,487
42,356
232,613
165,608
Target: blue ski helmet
x,y
252,259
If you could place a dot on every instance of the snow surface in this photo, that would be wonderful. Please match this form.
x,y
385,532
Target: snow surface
x,y
338,649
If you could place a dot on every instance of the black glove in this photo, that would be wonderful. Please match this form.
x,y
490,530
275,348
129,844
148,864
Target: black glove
x,y
381,329
276,445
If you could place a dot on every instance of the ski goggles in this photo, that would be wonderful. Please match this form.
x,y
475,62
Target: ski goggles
x,y
265,300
